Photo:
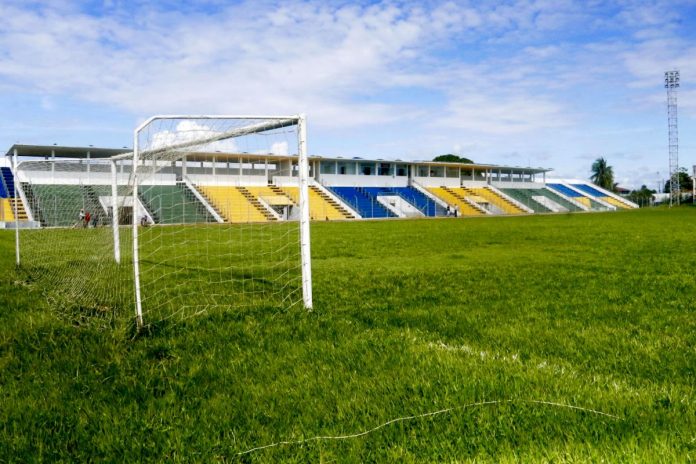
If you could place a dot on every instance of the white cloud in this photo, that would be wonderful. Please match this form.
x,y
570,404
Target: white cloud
x,y
185,131
510,77
279,148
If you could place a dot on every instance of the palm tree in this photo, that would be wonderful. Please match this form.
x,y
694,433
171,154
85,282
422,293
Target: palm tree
x,y
602,174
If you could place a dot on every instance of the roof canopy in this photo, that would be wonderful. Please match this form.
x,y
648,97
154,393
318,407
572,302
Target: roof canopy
x,y
47,151
42,151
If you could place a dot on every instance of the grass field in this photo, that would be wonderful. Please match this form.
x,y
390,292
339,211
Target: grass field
x,y
594,311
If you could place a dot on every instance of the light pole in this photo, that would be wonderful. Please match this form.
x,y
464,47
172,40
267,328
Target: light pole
x,y
672,86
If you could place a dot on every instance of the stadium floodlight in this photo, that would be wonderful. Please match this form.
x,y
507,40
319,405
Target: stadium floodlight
x,y
672,84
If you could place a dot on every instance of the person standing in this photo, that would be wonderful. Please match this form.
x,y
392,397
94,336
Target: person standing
x,y
80,219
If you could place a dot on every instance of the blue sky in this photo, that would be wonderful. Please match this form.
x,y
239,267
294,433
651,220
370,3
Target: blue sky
x,y
542,83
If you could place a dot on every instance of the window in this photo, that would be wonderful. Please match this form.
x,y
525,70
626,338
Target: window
x,y
437,171
346,168
327,167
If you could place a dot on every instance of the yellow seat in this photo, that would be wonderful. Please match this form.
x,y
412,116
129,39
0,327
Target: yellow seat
x,y
465,209
232,205
6,213
319,207
584,201
270,196
494,198
613,201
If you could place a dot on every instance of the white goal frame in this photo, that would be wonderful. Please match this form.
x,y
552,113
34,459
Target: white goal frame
x,y
267,123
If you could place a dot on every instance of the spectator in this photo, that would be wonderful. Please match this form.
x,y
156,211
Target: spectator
x,y
80,219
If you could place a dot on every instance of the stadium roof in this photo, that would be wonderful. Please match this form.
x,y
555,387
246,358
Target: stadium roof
x,y
44,151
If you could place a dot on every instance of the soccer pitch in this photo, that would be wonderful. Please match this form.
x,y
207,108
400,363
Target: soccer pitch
x,y
542,338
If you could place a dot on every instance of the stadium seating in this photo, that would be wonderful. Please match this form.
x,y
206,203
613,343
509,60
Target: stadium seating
x,y
551,195
271,195
364,202
6,210
7,192
57,205
494,198
454,198
3,190
235,204
562,189
8,181
577,196
321,206
173,204
593,192
413,196
526,197
614,202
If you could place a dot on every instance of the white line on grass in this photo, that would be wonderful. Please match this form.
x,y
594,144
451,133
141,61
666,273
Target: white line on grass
x,y
427,414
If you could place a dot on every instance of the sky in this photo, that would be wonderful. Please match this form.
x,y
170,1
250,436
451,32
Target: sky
x,y
552,84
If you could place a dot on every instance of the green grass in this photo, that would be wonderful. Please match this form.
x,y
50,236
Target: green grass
x,y
590,310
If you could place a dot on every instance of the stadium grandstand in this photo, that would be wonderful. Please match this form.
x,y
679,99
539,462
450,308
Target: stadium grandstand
x,y
47,186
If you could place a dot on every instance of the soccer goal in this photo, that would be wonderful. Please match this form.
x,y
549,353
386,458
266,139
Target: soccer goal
x,y
206,212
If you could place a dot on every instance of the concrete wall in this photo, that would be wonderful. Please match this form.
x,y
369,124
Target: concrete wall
x,y
348,180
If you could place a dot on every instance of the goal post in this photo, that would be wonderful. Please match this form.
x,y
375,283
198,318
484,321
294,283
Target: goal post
x,y
206,212
304,212
247,237
66,247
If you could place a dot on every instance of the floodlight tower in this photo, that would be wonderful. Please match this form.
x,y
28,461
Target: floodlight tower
x,y
672,86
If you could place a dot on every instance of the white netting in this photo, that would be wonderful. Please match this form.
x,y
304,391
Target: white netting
x,y
66,238
216,204
218,207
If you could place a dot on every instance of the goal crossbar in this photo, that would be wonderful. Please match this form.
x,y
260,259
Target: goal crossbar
x,y
279,123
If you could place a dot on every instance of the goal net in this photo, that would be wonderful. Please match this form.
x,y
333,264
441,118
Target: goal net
x,y
205,213
65,240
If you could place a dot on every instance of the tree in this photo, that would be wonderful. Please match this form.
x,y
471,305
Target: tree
x,y
602,174
685,183
643,197
450,158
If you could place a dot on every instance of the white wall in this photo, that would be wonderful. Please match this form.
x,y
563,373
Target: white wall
x,y
474,183
399,206
348,180
438,181
286,181
89,178
515,185
237,181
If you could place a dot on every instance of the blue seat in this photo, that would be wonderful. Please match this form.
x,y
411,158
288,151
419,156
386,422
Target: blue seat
x,y
565,190
364,200
8,180
589,190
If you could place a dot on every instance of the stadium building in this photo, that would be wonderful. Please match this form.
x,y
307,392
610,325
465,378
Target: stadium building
x,y
48,186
